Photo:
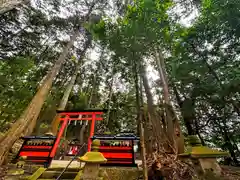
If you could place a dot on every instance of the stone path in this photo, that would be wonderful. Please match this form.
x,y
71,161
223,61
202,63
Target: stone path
x,y
63,164
74,164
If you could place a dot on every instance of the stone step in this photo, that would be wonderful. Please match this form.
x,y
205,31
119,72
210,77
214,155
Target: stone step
x,y
49,179
55,174
61,169
75,164
64,163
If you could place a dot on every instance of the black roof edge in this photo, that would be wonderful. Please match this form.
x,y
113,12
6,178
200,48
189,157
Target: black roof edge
x,y
82,110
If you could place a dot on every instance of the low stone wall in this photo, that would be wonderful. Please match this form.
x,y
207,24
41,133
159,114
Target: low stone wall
x,y
123,173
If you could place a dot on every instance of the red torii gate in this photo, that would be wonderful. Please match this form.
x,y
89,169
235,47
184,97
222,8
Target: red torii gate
x,y
66,116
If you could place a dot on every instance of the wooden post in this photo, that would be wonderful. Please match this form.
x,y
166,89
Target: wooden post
x,y
91,131
59,137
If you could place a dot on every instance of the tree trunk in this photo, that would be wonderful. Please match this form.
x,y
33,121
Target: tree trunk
x,y
187,111
31,113
143,148
201,138
162,74
85,123
160,64
228,142
155,122
147,130
110,98
140,116
58,65
173,127
8,5
64,100
108,108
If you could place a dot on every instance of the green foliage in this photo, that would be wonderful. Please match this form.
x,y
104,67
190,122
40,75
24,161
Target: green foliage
x,y
205,67
202,63
78,101
16,86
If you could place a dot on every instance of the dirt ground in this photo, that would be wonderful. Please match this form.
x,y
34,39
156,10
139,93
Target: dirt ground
x,y
229,172
3,170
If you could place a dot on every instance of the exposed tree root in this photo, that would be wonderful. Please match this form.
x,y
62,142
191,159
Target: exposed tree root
x,y
171,167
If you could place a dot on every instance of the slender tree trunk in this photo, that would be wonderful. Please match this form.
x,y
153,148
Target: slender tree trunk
x,y
135,70
85,123
143,148
201,138
228,142
162,114
156,125
140,115
173,127
110,93
161,69
32,111
7,5
110,98
64,100
144,120
188,120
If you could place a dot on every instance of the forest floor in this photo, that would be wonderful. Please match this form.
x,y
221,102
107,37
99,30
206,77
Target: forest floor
x,y
229,172
3,171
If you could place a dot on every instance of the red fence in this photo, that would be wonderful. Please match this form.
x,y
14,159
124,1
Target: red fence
x,y
119,151
37,149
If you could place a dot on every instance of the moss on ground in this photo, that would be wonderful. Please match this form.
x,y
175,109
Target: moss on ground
x,y
117,173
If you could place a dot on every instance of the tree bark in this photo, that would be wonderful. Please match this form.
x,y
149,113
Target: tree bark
x,y
140,116
110,97
96,73
162,74
8,5
155,122
187,111
58,65
147,128
64,100
228,142
85,123
143,148
160,64
173,127
32,111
